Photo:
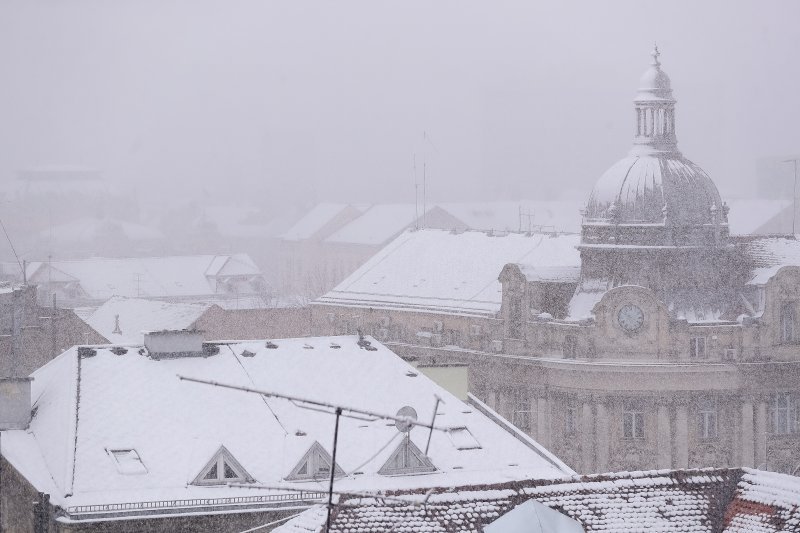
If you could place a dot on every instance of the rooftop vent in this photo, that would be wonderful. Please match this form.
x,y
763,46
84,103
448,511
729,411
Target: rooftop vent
x,y
174,343
15,403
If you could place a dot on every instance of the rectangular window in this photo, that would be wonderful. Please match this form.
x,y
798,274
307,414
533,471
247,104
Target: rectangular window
x,y
788,323
522,419
785,414
570,347
633,423
708,418
697,347
571,421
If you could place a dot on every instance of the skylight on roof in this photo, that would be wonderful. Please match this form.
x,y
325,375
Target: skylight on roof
x,y
128,461
463,439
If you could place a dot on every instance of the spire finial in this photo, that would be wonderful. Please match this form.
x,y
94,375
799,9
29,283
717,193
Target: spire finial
x,y
655,53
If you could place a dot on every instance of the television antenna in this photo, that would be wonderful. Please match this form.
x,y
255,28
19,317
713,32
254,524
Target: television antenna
x,y
402,419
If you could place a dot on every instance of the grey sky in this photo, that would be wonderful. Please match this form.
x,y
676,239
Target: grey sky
x,y
330,99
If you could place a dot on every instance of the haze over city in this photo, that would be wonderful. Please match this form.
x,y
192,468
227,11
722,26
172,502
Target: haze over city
x,y
287,102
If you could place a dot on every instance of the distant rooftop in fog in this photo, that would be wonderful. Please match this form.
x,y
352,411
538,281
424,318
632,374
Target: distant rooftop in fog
x,y
189,277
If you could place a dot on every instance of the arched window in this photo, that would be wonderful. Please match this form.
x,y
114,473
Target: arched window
x,y
788,323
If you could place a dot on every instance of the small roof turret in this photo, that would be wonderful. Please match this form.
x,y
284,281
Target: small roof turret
x,y
654,85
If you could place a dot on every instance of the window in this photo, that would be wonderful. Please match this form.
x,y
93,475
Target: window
x,y
462,438
571,421
222,469
515,321
128,461
407,459
315,464
570,346
522,419
788,323
785,414
707,417
697,347
633,422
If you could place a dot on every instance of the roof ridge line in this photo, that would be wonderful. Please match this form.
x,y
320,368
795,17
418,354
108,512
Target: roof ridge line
x,y
75,407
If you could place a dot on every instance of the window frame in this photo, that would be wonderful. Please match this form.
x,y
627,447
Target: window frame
x,y
569,348
785,415
708,417
694,347
788,322
637,423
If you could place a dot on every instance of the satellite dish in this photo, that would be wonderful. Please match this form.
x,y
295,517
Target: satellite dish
x,y
404,426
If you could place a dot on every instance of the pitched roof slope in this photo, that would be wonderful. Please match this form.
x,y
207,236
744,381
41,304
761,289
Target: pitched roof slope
x,y
137,315
169,276
92,404
694,501
450,272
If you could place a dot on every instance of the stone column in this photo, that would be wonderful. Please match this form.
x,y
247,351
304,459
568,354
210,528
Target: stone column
x,y
761,435
681,436
542,423
602,437
664,437
587,439
748,444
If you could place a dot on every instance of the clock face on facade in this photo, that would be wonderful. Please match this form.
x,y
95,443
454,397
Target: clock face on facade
x,y
630,317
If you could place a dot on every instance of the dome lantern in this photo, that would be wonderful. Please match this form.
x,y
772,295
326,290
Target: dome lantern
x,y
655,111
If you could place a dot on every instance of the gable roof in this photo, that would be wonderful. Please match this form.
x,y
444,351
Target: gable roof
x,y
378,224
137,315
769,254
89,400
443,271
321,221
694,501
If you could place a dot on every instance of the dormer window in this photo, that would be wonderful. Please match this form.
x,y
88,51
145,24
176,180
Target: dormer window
x,y
222,469
407,459
315,464
788,317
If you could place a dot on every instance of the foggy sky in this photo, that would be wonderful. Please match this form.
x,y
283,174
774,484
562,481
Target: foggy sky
x,y
329,100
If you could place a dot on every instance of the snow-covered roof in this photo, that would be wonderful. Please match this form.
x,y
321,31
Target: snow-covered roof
x,y
377,225
448,272
769,254
92,402
693,501
155,277
316,220
134,316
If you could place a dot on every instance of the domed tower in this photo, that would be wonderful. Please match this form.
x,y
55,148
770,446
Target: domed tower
x,y
655,219
655,196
